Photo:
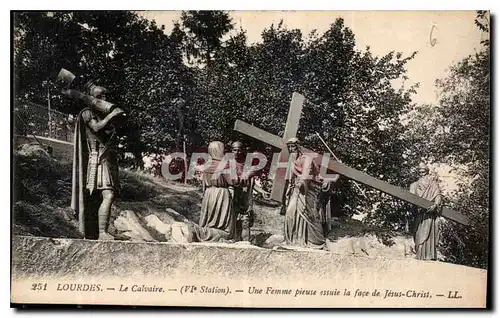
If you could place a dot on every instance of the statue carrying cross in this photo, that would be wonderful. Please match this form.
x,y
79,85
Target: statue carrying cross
x,y
291,129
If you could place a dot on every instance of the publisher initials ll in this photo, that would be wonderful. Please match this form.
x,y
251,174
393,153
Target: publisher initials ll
x,y
454,294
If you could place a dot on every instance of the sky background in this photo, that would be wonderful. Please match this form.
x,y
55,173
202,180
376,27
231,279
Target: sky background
x,y
384,31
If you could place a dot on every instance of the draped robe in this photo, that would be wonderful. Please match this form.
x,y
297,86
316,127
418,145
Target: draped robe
x,y
217,219
303,220
426,231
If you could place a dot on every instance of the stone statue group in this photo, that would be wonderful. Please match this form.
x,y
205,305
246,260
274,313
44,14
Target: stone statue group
x,y
227,206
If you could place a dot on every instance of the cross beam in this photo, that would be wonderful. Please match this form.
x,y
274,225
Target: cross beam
x,y
351,173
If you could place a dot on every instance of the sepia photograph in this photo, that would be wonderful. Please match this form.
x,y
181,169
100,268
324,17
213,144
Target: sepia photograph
x,y
251,159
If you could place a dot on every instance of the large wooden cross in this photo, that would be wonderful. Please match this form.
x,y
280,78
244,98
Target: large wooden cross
x,y
291,129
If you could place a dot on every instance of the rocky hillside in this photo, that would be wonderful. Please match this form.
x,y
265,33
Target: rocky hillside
x,y
147,207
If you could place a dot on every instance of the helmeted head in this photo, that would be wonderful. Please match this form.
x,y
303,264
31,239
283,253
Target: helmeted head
x,y
237,145
237,149
96,91
423,169
292,144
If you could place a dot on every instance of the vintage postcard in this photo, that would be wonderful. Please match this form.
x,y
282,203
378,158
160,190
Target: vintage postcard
x,y
312,159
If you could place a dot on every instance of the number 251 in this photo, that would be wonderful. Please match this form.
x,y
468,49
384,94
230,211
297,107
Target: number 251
x,y
39,286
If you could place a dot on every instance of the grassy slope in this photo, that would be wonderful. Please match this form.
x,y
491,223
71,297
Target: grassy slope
x,y
42,197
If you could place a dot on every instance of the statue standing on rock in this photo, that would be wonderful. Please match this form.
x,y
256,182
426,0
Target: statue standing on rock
x,y
426,229
95,167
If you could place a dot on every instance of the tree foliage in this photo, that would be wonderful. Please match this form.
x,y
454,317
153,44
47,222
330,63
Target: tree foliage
x,y
131,56
465,110
351,102
202,33
457,132
352,98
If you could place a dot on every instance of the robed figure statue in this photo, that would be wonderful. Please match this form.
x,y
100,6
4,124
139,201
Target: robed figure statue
x,y
426,230
304,218
217,218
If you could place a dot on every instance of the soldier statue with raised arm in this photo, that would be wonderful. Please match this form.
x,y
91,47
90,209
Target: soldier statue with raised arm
x,y
95,167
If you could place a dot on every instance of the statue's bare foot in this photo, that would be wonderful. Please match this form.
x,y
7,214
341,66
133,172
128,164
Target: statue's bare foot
x,y
103,236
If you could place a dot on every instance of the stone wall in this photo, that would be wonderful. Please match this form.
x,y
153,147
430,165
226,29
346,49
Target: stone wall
x,y
61,150
174,266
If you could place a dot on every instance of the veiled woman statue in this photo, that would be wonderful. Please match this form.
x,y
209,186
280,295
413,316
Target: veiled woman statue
x,y
217,219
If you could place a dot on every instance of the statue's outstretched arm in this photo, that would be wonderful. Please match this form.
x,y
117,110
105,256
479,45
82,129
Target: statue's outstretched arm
x,y
97,125
94,124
